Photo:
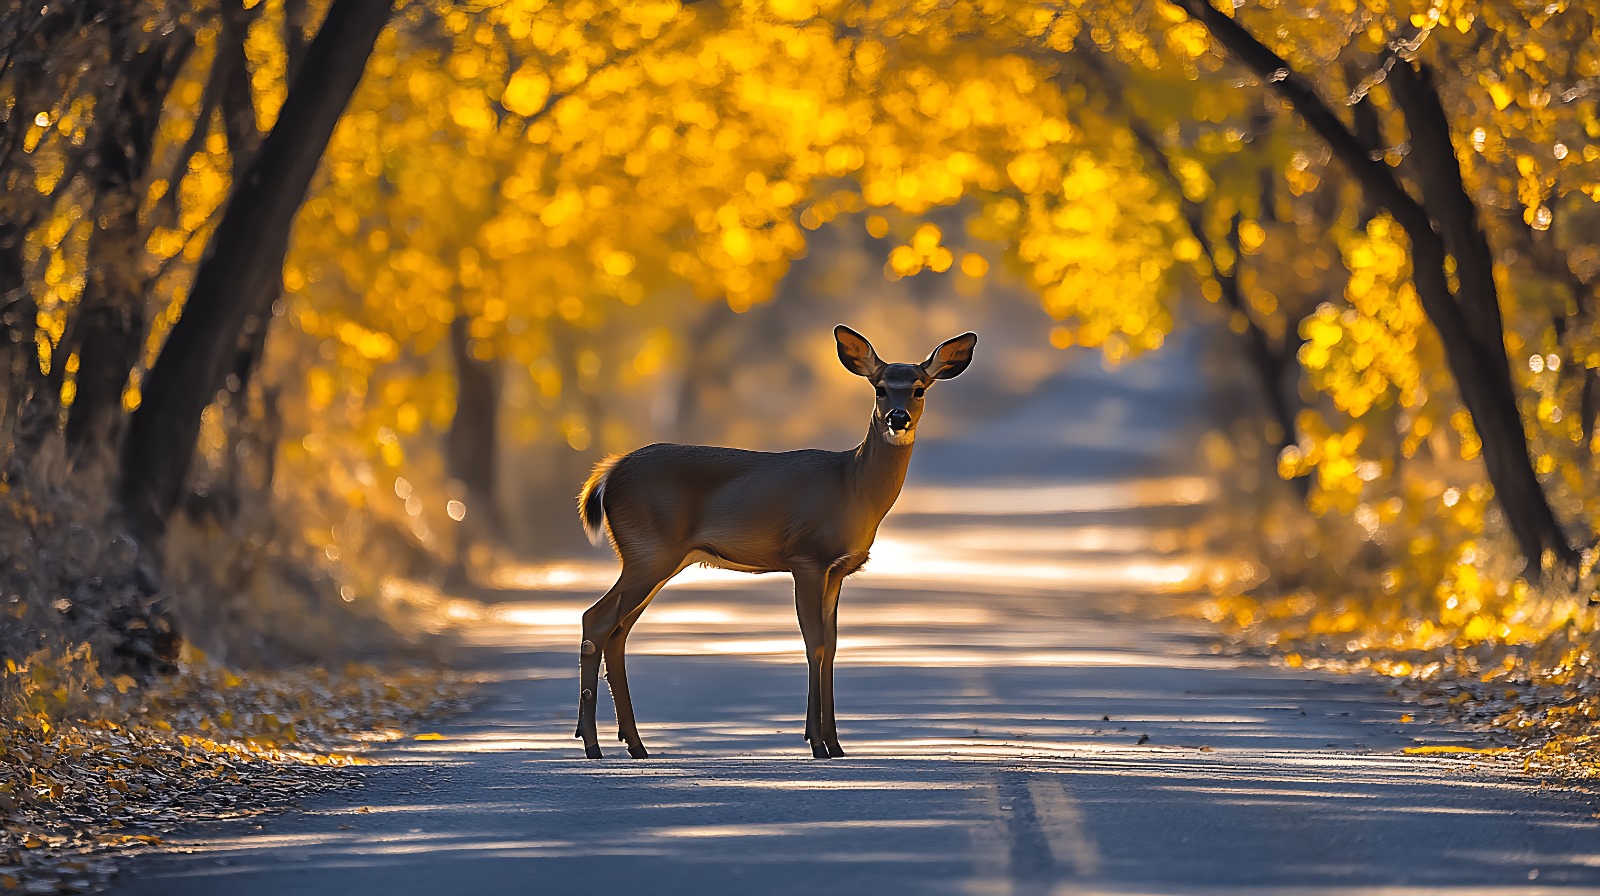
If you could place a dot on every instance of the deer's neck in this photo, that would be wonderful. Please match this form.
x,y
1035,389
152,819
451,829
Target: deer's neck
x,y
877,471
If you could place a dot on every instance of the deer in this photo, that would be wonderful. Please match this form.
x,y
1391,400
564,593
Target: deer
x,y
812,513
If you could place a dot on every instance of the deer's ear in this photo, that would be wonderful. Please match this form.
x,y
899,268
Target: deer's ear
x,y
856,353
951,357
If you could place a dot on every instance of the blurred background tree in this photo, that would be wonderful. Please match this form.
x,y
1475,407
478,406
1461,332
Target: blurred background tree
x,y
341,279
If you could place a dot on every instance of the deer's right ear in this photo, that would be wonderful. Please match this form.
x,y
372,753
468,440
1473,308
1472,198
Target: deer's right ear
x,y
856,353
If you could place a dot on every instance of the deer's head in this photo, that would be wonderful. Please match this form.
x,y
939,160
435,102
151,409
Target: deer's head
x,y
901,387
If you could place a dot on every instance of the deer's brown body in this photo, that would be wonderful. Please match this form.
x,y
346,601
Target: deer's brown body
x,y
811,513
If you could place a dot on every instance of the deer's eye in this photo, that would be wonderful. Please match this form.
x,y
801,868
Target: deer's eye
x,y
919,391
881,393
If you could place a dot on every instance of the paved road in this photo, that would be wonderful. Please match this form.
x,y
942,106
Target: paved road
x,y
1025,713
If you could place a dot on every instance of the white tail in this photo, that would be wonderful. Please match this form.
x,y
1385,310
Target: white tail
x,y
812,513
592,499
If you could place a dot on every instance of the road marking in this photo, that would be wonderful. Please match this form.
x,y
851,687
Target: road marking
x,y
989,844
991,847
1031,838
1062,825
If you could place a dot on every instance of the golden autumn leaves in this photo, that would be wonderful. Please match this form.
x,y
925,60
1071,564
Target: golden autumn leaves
x,y
548,169
544,170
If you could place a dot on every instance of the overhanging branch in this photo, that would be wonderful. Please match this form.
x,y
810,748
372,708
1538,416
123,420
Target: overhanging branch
x,y
1374,175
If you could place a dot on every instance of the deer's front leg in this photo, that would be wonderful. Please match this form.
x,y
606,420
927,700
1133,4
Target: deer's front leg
x,y
809,585
830,649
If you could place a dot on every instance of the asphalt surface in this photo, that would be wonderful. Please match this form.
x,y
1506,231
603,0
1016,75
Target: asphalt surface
x,y
1025,707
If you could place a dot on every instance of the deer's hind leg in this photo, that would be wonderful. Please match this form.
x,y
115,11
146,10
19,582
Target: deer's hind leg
x,y
616,650
635,586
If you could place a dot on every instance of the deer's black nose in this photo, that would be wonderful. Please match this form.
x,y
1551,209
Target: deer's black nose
x,y
898,419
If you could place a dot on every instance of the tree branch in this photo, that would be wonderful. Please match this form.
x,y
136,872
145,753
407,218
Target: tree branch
x,y
1375,176
1433,161
245,251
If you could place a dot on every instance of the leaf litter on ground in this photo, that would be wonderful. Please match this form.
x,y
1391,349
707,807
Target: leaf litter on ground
x,y
1529,686
115,767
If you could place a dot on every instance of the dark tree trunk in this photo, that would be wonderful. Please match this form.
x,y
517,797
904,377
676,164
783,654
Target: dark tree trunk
x,y
705,362
108,347
1369,133
470,452
1270,364
19,353
474,430
1467,320
1590,405
1495,412
238,104
245,252
249,438
109,330
32,40
294,34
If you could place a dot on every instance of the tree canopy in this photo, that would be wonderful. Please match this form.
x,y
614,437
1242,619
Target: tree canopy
x,y
1392,204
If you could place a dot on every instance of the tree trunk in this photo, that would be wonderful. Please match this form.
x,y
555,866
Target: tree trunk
x,y
474,430
1589,406
471,452
19,354
237,102
1369,133
248,437
246,251
294,34
36,38
1468,323
1455,219
108,331
703,364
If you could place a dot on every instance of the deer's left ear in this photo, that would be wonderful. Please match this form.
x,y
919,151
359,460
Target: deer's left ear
x,y
951,357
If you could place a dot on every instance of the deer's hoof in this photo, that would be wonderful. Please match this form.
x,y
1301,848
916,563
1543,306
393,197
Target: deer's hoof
x,y
638,751
835,751
593,751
